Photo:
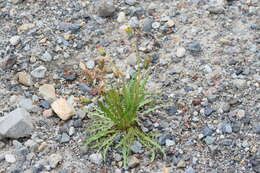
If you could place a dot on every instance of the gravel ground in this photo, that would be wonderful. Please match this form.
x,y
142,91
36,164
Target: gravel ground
x,y
204,58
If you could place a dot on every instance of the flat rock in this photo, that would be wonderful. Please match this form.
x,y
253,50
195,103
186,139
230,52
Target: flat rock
x,y
16,124
47,91
63,109
136,147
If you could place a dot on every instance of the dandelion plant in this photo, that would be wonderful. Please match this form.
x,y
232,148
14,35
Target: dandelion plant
x,y
115,120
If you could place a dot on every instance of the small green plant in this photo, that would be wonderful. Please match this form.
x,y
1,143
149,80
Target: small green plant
x,y
116,123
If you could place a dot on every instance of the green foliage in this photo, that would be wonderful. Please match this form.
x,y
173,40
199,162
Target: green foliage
x,y
116,120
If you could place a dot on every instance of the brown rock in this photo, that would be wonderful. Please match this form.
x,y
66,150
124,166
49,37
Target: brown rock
x,y
25,79
63,109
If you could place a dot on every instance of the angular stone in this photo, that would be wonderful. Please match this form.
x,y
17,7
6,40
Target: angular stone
x,y
25,79
16,124
47,91
63,109
39,72
133,162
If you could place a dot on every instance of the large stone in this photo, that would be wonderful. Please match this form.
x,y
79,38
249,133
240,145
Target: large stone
x,y
16,124
63,109
47,91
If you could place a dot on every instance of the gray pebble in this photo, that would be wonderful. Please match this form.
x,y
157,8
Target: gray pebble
x,y
137,147
134,22
209,140
207,131
96,158
189,170
169,142
257,129
65,138
208,111
194,47
46,57
147,25
226,128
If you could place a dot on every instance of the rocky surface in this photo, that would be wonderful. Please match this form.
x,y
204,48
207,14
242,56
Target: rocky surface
x,y
204,59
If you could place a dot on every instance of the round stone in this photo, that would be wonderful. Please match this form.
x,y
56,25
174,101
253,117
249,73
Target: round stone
x,y
180,52
15,40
